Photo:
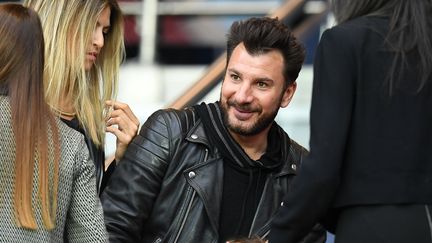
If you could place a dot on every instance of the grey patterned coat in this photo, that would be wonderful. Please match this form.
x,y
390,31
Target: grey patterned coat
x,y
79,213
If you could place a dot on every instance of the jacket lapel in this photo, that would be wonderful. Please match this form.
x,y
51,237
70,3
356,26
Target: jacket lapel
x,y
205,179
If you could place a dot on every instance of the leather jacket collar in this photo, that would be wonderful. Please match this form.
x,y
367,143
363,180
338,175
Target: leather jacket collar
x,y
198,135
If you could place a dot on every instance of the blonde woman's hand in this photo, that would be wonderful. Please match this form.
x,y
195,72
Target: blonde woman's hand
x,y
122,122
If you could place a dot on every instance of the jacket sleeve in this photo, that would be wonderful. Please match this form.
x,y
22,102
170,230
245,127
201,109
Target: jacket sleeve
x,y
134,186
85,222
315,187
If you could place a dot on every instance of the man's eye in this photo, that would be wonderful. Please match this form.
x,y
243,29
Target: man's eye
x,y
262,84
235,77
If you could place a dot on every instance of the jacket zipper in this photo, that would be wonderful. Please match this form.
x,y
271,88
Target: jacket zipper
x,y
189,207
256,213
265,234
186,216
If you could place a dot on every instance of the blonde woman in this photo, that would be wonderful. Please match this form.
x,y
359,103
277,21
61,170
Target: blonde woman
x,y
47,182
84,48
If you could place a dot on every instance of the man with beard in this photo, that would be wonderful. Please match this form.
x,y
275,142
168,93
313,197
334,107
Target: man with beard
x,y
218,171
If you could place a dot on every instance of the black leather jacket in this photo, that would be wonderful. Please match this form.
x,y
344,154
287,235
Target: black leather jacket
x,y
168,187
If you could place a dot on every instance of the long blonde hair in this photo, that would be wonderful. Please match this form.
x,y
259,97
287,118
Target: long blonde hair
x,y
21,72
68,26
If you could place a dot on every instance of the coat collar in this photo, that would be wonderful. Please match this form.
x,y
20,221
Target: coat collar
x,y
197,135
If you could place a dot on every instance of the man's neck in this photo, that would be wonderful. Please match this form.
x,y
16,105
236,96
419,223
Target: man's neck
x,y
254,146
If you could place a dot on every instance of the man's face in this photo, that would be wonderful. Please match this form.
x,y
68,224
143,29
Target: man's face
x,y
253,91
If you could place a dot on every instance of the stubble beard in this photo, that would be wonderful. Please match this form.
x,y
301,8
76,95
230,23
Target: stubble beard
x,y
264,120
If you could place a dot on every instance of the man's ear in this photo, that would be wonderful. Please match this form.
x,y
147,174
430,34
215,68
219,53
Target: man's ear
x,y
288,94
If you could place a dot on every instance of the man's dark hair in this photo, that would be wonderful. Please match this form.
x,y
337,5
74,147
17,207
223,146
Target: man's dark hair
x,y
261,35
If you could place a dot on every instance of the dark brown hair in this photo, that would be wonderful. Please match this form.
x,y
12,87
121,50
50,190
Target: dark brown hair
x,y
261,35
21,71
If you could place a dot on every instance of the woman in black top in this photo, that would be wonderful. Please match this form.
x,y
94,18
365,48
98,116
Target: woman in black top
x,y
84,49
369,166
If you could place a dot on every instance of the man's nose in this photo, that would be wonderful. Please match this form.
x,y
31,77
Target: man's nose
x,y
244,94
